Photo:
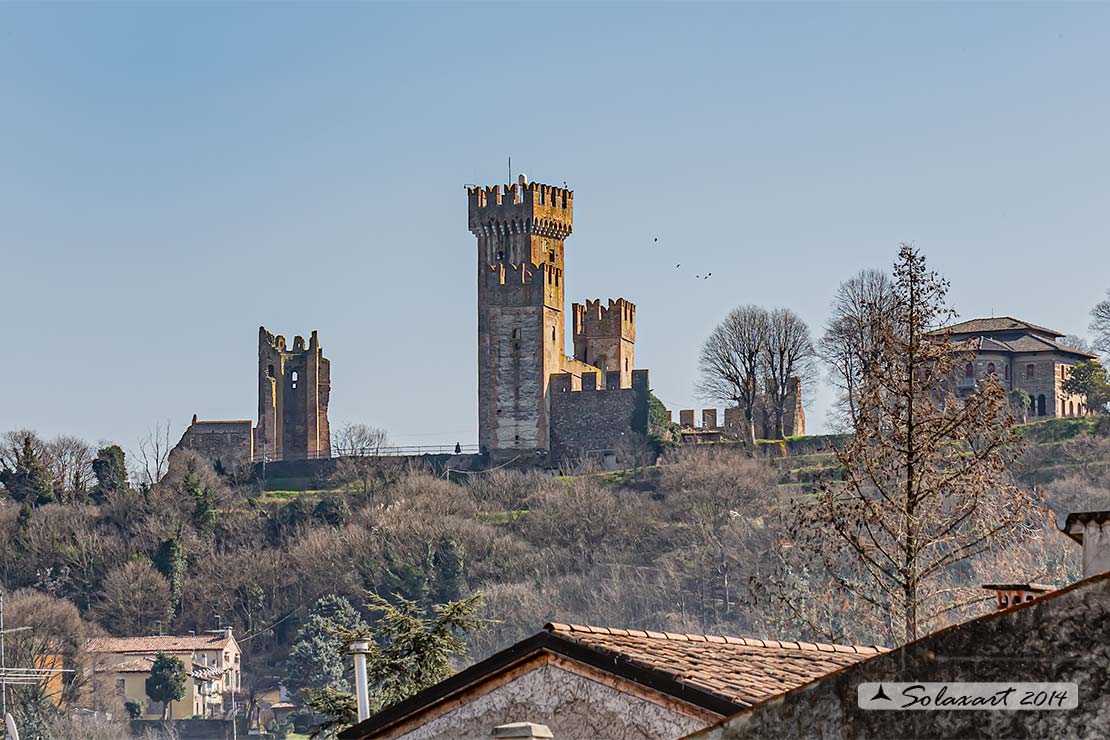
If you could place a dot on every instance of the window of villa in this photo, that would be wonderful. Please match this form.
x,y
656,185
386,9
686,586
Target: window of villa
x,y
990,368
1041,405
1030,370
969,370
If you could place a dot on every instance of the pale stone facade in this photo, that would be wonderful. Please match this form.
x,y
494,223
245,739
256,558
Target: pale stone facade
x,y
571,704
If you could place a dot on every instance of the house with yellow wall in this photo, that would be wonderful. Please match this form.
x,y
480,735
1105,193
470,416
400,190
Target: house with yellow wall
x,y
213,670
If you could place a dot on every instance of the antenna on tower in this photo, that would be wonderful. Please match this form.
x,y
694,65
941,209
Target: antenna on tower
x,y
510,170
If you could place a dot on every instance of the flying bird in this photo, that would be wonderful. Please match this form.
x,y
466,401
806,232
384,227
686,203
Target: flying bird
x,y
678,265
656,239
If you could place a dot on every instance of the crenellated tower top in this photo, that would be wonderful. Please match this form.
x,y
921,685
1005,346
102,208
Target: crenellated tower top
x,y
618,319
523,208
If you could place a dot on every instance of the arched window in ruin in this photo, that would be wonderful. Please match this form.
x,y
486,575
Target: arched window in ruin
x,y
1040,404
293,379
969,370
270,371
553,334
990,368
1030,371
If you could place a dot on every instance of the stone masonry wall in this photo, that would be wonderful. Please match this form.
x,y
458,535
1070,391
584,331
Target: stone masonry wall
x,y
1062,637
227,444
591,422
572,706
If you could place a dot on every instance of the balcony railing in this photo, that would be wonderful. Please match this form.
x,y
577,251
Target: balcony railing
x,y
965,383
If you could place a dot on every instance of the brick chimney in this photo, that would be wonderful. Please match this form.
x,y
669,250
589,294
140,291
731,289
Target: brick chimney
x,y
522,730
1091,529
1012,594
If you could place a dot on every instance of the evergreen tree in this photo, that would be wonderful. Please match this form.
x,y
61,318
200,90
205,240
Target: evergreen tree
x,y
171,560
110,470
332,510
317,658
167,682
204,504
29,480
410,650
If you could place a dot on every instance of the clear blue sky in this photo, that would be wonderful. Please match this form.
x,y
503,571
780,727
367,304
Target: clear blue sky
x,y
176,175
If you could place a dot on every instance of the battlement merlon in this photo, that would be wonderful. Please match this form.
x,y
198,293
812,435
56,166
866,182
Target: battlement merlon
x,y
598,382
266,340
524,208
618,319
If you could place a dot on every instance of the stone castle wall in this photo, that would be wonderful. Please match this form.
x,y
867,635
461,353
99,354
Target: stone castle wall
x,y
593,422
226,445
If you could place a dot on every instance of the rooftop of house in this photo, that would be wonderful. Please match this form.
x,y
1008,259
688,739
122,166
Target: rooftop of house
x,y
742,670
133,665
151,644
997,324
1074,524
718,674
1009,335
1049,639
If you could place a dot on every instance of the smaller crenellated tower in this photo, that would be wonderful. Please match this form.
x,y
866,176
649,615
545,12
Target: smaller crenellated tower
x,y
605,336
293,390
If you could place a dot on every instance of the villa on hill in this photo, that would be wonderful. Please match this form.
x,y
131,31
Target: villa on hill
x,y
1021,356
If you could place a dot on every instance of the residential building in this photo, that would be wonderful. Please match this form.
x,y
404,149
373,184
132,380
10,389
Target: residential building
x,y
1021,356
1056,637
582,681
212,669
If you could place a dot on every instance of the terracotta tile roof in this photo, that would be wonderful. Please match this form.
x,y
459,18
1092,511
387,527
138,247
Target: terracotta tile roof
x,y
135,665
158,643
742,670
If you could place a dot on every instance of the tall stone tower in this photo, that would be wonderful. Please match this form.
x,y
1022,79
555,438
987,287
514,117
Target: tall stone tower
x,y
521,342
293,390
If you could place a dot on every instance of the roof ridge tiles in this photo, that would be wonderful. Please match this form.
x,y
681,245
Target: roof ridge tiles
x,y
820,647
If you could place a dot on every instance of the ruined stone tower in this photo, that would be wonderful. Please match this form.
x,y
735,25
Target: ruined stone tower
x,y
521,325
293,390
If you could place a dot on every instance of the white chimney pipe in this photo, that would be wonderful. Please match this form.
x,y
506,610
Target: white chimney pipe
x,y
359,649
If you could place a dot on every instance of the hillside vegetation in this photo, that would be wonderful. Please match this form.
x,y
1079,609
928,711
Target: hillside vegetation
x,y
684,546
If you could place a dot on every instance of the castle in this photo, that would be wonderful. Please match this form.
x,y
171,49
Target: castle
x,y
534,400
294,386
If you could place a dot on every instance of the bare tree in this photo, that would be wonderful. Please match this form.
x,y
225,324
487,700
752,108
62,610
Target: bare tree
x,y
1100,325
923,484
359,448
860,310
359,439
787,354
732,362
133,599
71,461
153,457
